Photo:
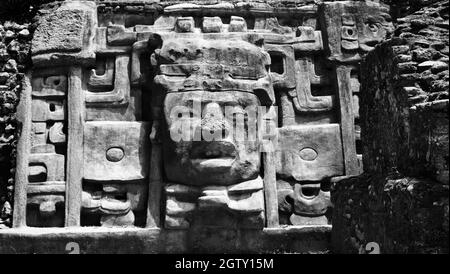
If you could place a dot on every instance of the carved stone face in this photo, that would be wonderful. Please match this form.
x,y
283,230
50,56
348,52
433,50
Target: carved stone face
x,y
364,33
302,203
355,27
374,30
310,200
213,88
212,153
349,33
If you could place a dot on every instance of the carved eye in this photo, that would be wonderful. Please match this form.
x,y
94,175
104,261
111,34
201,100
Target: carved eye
x,y
373,27
188,114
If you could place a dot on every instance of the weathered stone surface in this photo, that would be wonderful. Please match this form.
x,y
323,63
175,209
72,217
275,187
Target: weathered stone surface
x,y
13,47
49,86
137,240
401,203
45,204
115,205
118,220
405,209
421,207
237,160
353,28
104,72
219,61
130,138
47,110
418,107
310,153
66,35
243,203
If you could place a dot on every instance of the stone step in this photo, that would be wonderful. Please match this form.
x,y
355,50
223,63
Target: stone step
x,y
86,240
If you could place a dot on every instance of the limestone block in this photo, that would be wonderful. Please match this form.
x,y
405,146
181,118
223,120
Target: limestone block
x,y
118,220
66,35
115,204
310,152
302,97
43,148
104,80
120,95
284,54
299,220
303,203
48,198
185,24
354,28
212,24
116,150
46,187
136,193
51,86
56,134
239,205
237,24
118,35
53,163
47,214
47,110
38,133
307,40
232,52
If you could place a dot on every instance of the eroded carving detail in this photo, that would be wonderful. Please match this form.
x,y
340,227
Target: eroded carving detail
x,y
46,172
137,119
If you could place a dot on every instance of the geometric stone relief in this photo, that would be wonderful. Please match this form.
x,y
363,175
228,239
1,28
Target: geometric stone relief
x,y
121,91
148,120
218,174
310,153
354,28
308,157
243,203
48,110
66,36
116,151
46,162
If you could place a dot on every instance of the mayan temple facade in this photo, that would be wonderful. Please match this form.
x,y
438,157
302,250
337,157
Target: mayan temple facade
x,y
190,126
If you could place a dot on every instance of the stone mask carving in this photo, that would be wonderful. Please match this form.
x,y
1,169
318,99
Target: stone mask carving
x,y
303,202
364,33
216,77
198,75
354,28
374,30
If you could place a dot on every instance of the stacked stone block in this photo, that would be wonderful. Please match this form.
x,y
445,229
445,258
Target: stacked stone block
x,y
404,116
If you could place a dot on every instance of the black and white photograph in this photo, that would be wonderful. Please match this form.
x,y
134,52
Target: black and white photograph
x,y
267,129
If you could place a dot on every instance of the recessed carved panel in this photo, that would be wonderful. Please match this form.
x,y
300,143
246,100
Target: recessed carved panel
x,y
116,151
310,153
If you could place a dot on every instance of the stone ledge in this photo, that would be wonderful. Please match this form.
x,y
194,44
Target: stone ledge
x,y
296,239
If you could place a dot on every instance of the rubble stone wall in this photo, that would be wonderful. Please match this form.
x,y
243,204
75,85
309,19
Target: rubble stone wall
x,y
401,202
15,37
17,23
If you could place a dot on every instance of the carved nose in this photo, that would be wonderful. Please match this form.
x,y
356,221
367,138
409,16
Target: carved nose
x,y
213,121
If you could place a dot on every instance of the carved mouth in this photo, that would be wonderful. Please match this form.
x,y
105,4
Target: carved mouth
x,y
213,150
217,155
368,45
108,204
371,43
